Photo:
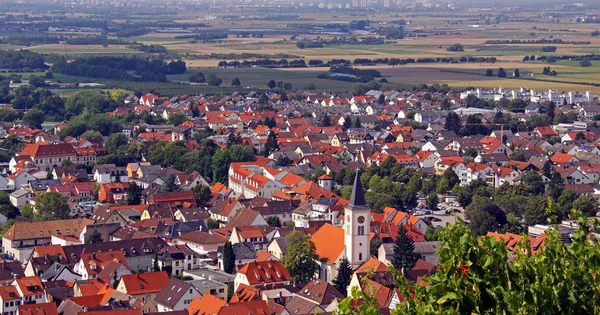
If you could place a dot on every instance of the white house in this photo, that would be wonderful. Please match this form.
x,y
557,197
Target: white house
x,y
176,296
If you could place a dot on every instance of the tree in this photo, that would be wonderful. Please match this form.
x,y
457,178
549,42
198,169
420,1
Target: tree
x,y
501,73
489,73
451,177
6,207
271,145
484,216
404,257
374,247
453,122
93,136
432,201
155,265
88,101
356,122
116,141
228,258
516,73
478,275
586,204
586,63
203,195
36,81
197,78
456,47
27,211
518,155
93,237
177,119
171,184
34,118
134,194
273,221
212,224
325,121
596,33
51,206
301,258
236,82
344,276
213,80
272,84
533,183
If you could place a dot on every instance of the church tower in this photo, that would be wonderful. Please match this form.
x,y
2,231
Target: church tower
x,y
357,226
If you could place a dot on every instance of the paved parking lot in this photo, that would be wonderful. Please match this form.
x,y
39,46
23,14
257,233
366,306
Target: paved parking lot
x,y
441,219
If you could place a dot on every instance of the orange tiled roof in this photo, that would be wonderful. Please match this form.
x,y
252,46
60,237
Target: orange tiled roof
x,y
144,283
258,273
207,305
329,242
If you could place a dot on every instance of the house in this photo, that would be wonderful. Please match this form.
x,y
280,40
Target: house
x,y
20,197
49,156
278,247
316,296
38,308
258,274
176,295
107,173
111,265
20,179
30,289
249,234
544,132
113,192
19,241
202,242
143,285
176,259
10,299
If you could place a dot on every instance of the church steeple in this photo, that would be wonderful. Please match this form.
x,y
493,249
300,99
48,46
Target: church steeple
x,y
357,225
357,200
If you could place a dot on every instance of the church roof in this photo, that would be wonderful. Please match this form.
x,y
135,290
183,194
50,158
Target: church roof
x,y
357,200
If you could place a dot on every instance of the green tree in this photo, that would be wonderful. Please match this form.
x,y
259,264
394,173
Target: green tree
x,y
213,80
115,142
271,145
516,73
478,276
451,177
272,84
374,247
51,206
36,81
326,121
432,201
155,265
301,258
344,276
273,221
236,82
134,194
518,155
453,122
501,73
177,119
34,118
586,204
533,183
212,224
171,184
586,63
203,195
93,237
356,122
228,258
27,211
93,136
489,73
484,216
404,257
89,101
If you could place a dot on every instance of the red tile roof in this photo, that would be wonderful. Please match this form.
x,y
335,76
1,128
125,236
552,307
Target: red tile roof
x,y
144,283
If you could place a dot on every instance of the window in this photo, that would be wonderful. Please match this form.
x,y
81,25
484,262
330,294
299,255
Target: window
x,y
190,291
221,290
360,256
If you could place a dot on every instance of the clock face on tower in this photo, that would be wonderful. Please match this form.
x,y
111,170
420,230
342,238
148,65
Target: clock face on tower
x,y
361,219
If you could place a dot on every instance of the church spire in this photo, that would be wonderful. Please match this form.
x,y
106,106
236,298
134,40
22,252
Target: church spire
x,y
357,200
